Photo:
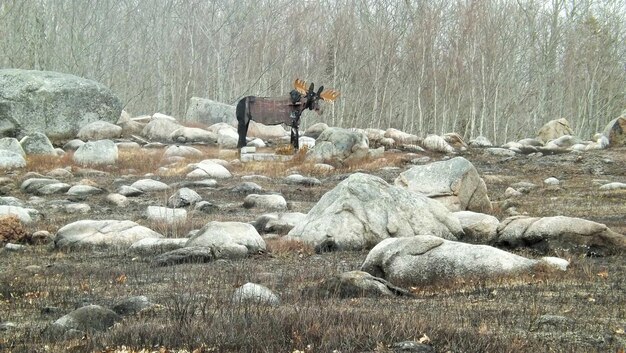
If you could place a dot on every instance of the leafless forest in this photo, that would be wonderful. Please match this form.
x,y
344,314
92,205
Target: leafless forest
x,y
477,67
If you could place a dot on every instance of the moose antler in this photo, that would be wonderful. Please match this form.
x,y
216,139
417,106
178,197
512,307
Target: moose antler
x,y
300,86
329,95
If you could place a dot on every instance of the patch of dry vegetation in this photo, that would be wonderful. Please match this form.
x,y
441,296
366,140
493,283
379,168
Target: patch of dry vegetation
x,y
12,230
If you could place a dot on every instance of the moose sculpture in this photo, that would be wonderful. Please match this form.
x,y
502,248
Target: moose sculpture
x,y
281,110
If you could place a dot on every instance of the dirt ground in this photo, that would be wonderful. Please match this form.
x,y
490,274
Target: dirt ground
x,y
581,310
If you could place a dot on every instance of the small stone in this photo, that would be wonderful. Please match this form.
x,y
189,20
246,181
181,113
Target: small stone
x,y
552,181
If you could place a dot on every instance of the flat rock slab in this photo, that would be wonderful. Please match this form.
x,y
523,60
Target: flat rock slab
x,y
264,157
104,233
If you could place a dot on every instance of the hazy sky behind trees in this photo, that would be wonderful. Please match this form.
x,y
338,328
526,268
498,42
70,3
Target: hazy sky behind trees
x,y
495,68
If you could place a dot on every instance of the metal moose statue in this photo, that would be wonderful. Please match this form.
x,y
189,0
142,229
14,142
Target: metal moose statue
x,y
281,110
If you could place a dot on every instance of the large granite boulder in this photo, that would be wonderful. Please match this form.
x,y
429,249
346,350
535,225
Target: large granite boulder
x,y
52,103
208,112
101,152
454,182
339,145
425,259
228,234
554,129
37,143
615,131
548,234
160,128
363,210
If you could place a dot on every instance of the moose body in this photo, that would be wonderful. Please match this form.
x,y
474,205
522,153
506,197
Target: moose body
x,y
280,110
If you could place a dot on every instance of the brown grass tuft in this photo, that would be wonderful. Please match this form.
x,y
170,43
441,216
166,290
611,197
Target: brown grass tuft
x,y
12,230
285,248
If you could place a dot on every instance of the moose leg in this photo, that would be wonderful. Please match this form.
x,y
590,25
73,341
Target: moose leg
x,y
242,130
242,121
295,138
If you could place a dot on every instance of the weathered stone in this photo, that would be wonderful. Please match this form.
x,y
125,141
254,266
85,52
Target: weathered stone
x,y
454,182
96,153
437,143
132,305
193,135
88,319
166,215
615,131
208,112
11,160
183,197
278,223
149,185
105,233
267,202
37,143
160,128
155,246
13,145
253,293
229,234
99,130
554,129
363,210
425,259
550,234
340,146
478,227
354,284
52,103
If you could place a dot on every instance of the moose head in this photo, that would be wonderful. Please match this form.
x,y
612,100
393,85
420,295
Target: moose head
x,y
310,98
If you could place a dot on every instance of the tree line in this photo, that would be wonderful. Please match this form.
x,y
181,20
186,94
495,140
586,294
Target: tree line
x,y
497,68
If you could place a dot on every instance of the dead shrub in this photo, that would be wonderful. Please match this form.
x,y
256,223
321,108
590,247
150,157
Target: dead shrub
x,y
283,248
12,230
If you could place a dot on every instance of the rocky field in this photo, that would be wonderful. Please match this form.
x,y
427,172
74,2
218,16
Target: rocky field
x,y
302,297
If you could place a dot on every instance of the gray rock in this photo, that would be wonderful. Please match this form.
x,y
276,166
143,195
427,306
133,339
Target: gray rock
x,y
73,145
37,143
425,259
297,179
267,202
501,152
89,318
552,181
149,185
11,201
354,284
401,137
53,103
160,128
59,173
480,141
154,246
247,187
478,227
554,129
166,215
74,208
205,207
183,197
315,130
193,135
208,169
208,112
14,247
84,190
339,145
102,233
363,210
12,144
549,234
192,254
613,186
34,185
510,192
11,160
266,132
101,152
129,191
252,293
203,183
117,200
454,182
615,131
437,143
236,235
278,223
182,151
411,347
132,305
99,130
24,214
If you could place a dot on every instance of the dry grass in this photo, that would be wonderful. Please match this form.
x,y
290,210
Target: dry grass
x,y
12,230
